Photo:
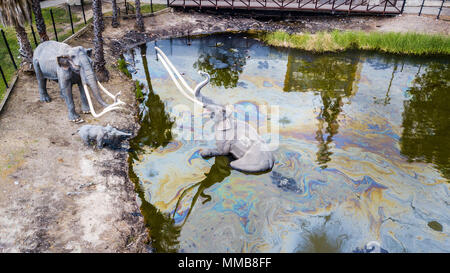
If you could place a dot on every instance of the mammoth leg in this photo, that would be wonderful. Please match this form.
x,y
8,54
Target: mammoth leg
x,y
66,90
42,82
213,152
84,103
100,140
245,164
85,139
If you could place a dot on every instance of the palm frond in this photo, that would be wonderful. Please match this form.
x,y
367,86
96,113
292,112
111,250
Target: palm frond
x,y
15,12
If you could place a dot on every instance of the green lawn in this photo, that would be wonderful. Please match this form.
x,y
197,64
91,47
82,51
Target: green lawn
x,y
156,7
62,21
397,43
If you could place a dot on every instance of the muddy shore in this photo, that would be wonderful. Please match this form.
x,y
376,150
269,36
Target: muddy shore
x,y
58,195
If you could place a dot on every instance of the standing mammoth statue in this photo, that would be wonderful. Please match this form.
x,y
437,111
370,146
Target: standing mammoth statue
x,y
233,137
70,65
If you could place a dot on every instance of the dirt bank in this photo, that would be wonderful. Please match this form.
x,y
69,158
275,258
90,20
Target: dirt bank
x,y
58,195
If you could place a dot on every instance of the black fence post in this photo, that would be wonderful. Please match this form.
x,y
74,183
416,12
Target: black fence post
x,y
3,76
403,6
54,27
440,9
82,9
34,34
9,49
151,5
168,3
126,7
421,7
70,15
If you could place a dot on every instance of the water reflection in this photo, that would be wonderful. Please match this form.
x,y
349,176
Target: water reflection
x,y
155,131
156,123
218,172
334,77
369,191
222,59
163,233
426,118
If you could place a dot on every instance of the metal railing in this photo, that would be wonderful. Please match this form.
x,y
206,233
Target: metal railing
x,y
383,7
347,6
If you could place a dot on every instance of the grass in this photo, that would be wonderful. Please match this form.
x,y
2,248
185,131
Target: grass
x,y
122,64
139,94
156,7
62,21
390,42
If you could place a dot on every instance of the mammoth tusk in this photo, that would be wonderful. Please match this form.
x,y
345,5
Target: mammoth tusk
x,y
164,57
177,83
111,107
115,98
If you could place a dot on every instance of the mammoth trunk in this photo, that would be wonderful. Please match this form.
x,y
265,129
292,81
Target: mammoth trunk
x,y
91,82
197,89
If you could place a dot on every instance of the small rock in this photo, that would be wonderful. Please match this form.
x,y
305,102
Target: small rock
x,y
73,193
86,185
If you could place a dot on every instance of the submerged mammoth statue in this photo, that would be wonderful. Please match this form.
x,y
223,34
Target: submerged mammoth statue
x,y
102,135
237,138
233,137
70,65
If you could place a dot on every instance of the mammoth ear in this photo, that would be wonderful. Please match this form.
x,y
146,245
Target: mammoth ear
x,y
63,61
89,52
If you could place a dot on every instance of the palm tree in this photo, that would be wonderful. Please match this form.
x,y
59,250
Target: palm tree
x,y
15,13
115,21
40,23
139,20
99,57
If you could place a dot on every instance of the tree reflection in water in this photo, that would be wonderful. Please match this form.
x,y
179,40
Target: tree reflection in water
x,y
333,76
156,124
219,171
155,132
222,60
426,118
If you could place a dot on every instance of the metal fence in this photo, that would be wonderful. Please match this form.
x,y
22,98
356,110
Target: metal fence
x,y
36,40
384,7
127,7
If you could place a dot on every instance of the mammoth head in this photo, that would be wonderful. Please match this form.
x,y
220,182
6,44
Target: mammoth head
x,y
75,58
112,132
220,115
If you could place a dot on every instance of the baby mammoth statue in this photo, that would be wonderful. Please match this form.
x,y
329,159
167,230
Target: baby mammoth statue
x,y
102,135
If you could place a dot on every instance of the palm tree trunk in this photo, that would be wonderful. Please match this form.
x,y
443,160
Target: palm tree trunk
x,y
139,20
99,57
98,5
25,51
40,24
115,19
